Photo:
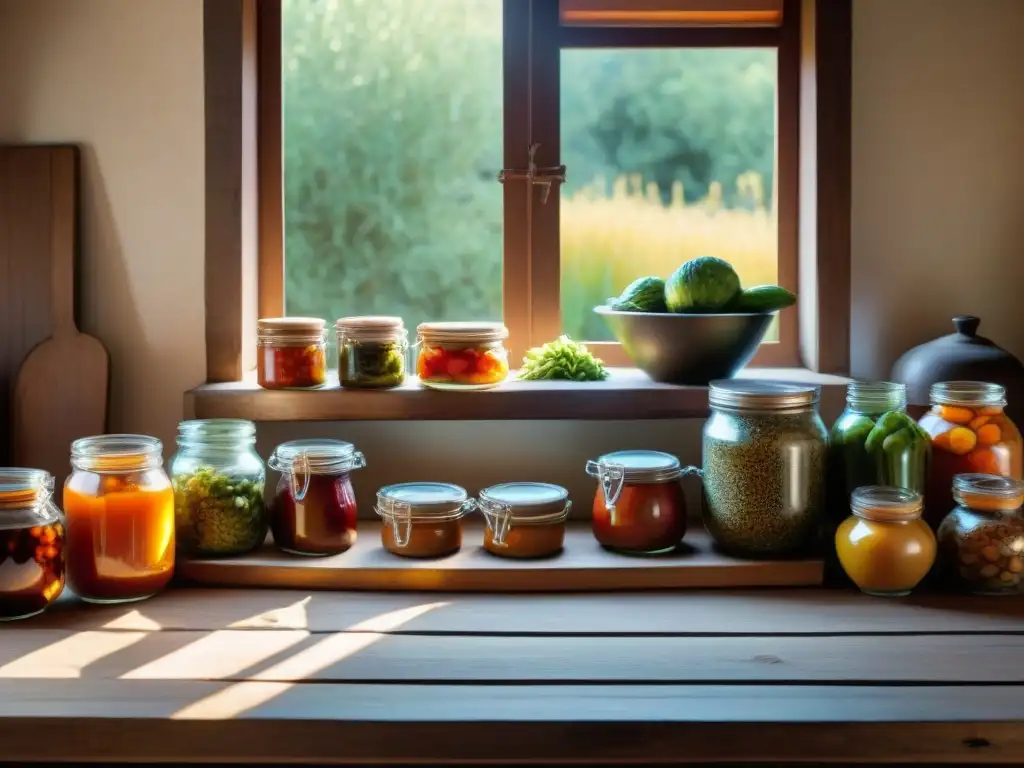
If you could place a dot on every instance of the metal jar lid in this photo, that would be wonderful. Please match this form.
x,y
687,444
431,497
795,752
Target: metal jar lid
x,y
462,333
512,504
753,395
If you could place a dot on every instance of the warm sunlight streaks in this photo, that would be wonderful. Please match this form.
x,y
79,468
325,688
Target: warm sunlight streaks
x,y
291,616
133,620
68,657
222,654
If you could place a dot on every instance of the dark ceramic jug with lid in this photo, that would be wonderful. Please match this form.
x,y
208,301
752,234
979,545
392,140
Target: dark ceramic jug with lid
x,y
960,356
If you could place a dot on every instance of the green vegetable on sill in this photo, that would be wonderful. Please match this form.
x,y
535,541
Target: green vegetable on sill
x,y
562,359
218,514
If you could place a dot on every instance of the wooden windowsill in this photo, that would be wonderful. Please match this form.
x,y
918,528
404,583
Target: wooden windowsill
x,y
626,394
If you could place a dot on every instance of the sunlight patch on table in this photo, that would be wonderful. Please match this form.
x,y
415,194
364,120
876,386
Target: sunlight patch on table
x,y
221,654
67,658
292,616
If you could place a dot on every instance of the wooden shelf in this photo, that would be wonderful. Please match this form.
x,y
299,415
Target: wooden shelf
x,y
626,394
582,566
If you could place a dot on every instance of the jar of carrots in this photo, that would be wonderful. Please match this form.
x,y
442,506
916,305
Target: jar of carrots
x,y
970,433
120,519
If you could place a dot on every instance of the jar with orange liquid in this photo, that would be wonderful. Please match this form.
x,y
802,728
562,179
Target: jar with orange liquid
x,y
119,506
970,433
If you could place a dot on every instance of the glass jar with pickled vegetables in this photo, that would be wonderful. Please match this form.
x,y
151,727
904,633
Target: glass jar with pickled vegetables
x,y
31,543
422,519
218,481
291,353
639,506
884,546
119,506
970,434
524,520
313,511
462,355
981,541
371,352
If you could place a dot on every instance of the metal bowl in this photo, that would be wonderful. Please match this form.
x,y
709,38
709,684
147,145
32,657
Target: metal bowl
x,y
685,348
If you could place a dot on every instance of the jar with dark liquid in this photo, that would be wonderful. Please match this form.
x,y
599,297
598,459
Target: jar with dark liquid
x,y
313,511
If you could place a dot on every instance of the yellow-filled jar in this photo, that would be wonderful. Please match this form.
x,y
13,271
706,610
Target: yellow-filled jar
x,y
884,546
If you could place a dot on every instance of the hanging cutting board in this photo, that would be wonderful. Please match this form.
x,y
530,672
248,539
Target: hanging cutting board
x,y
61,390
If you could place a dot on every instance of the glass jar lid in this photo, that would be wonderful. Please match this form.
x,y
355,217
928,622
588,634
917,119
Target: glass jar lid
x,y
988,492
431,501
640,467
969,393
24,493
116,453
885,504
316,457
876,395
290,330
509,504
225,432
380,328
735,394
455,332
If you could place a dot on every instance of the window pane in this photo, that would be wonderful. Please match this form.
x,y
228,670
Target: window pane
x,y
670,155
392,142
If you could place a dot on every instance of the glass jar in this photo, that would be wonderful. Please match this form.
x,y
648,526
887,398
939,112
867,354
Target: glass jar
x,y
462,355
372,352
639,506
218,481
524,520
884,546
764,467
291,353
120,519
422,519
981,542
970,433
31,543
314,507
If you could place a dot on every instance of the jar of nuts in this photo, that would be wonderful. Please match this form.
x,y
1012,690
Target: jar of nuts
x,y
981,541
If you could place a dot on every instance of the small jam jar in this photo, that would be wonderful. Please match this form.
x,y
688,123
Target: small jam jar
x,y
313,511
372,352
884,546
31,543
422,519
639,506
291,353
462,355
981,542
524,519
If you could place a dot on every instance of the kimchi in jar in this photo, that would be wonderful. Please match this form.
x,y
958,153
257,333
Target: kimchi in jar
x,y
291,353
462,356
120,519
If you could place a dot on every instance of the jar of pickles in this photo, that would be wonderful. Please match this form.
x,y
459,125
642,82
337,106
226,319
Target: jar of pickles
x,y
291,353
462,355
120,519
639,506
524,520
884,546
371,352
981,542
218,481
313,511
422,519
970,434
31,543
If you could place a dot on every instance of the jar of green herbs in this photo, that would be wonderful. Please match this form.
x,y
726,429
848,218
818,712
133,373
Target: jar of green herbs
x,y
218,481
372,352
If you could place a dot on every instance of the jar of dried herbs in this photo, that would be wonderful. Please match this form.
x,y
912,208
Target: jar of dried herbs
x,y
764,467
372,352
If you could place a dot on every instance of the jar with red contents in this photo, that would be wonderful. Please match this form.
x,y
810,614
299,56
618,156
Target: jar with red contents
x,y
639,506
462,356
313,511
291,353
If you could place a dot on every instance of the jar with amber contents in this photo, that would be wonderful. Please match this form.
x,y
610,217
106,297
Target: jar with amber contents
x,y
462,356
884,546
639,506
31,543
970,434
524,519
120,519
291,353
981,542
422,519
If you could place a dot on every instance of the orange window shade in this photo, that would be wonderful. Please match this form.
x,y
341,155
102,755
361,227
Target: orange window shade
x,y
671,13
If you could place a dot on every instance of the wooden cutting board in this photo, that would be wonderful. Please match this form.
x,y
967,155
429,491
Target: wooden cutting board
x,y
61,390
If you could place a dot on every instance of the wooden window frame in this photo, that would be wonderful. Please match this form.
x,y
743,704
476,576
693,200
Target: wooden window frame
x,y
244,183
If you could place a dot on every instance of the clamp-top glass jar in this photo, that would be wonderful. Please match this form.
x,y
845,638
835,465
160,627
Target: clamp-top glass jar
x,y
314,506
372,352
524,519
462,355
218,483
639,506
291,353
422,519
31,543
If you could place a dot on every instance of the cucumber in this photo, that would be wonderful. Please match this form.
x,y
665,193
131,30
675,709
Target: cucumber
x,y
763,298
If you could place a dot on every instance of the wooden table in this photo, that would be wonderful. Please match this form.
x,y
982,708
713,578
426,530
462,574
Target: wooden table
x,y
327,677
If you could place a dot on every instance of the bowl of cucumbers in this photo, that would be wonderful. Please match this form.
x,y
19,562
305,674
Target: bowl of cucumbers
x,y
698,325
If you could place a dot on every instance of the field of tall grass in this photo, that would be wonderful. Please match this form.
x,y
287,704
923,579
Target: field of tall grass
x,y
610,239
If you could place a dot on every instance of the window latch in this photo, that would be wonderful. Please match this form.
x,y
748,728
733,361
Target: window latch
x,y
538,177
